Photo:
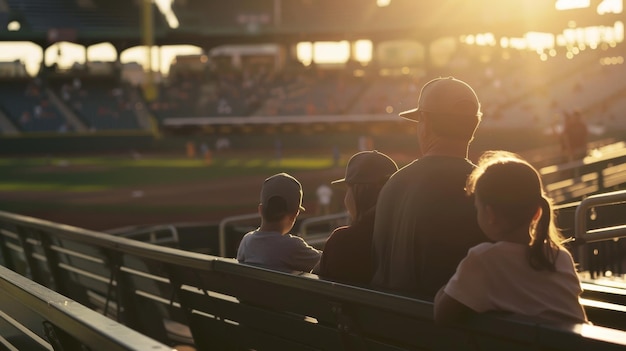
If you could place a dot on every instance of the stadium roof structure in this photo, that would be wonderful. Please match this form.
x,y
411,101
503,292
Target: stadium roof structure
x,y
86,22
211,23
257,21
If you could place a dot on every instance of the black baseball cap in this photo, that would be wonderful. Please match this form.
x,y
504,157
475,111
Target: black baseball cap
x,y
368,167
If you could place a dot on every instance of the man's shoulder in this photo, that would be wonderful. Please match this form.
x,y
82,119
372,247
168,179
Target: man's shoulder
x,y
435,163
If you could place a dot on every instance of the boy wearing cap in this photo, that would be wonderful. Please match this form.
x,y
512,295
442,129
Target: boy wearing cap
x,y
425,223
347,255
271,245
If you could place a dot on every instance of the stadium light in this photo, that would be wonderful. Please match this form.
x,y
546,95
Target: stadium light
x,y
572,4
14,26
610,6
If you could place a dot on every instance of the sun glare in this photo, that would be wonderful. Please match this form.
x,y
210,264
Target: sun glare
x,y
572,4
333,52
610,6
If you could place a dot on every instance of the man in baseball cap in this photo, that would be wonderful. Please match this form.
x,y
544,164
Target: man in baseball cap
x,y
424,222
454,106
271,245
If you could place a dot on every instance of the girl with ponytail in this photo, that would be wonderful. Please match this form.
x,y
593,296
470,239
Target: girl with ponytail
x,y
525,270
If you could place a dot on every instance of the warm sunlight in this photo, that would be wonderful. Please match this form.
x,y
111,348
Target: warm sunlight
x,y
572,38
165,6
334,52
572,4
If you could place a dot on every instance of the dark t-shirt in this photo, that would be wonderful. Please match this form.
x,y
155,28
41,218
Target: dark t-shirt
x,y
347,255
425,224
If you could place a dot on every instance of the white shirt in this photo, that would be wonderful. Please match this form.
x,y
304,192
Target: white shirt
x,y
498,277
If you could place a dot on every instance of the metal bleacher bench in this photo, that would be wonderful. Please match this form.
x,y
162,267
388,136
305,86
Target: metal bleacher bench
x,y
33,318
183,298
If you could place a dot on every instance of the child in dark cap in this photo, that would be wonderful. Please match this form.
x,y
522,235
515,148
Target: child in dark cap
x,y
347,253
271,245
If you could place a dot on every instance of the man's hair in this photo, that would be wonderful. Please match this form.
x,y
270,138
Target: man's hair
x,y
275,209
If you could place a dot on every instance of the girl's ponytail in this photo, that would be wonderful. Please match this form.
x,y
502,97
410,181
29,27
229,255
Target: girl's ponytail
x,y
544,247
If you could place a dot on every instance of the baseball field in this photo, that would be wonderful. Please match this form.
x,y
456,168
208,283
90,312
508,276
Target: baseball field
x,y
111,191
106,190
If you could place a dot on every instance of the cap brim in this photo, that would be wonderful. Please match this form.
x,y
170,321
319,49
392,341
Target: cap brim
x,y
410,115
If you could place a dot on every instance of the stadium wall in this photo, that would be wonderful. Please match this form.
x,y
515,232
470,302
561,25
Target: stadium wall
x,y
394,137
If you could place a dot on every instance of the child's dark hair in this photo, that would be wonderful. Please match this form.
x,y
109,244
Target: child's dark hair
x,y
275,209
513,189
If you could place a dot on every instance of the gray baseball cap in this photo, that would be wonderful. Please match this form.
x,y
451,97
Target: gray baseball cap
x,y
285,186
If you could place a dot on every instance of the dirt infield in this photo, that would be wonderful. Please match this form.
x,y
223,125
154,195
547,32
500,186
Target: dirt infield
x,y
208,201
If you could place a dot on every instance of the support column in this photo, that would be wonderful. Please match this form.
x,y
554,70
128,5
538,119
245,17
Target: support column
x,y
148,42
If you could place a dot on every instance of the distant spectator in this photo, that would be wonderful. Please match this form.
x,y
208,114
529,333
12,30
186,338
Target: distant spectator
x,y
525,270
324,196
347,255
222,143
574,137
271,245
190,148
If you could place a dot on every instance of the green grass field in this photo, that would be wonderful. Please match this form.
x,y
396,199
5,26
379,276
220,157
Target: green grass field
x,y
101,173
111,191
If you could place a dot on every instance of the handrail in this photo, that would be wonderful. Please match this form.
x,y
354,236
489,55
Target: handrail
x,y
321,219
599,156
580,226
222,229
85,325
108,241
152,233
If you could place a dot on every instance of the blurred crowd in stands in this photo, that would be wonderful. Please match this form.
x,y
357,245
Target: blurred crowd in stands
x,y
517,93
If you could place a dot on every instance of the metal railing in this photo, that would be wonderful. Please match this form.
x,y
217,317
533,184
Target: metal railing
x,y
227,221
62,324
164,234
583,235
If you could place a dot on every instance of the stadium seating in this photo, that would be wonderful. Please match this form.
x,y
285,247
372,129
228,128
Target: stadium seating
x,y
36,318
25,101
103,103
313,92
182,297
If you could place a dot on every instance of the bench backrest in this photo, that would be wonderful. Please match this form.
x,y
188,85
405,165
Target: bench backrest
x,y
170,295
33,317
